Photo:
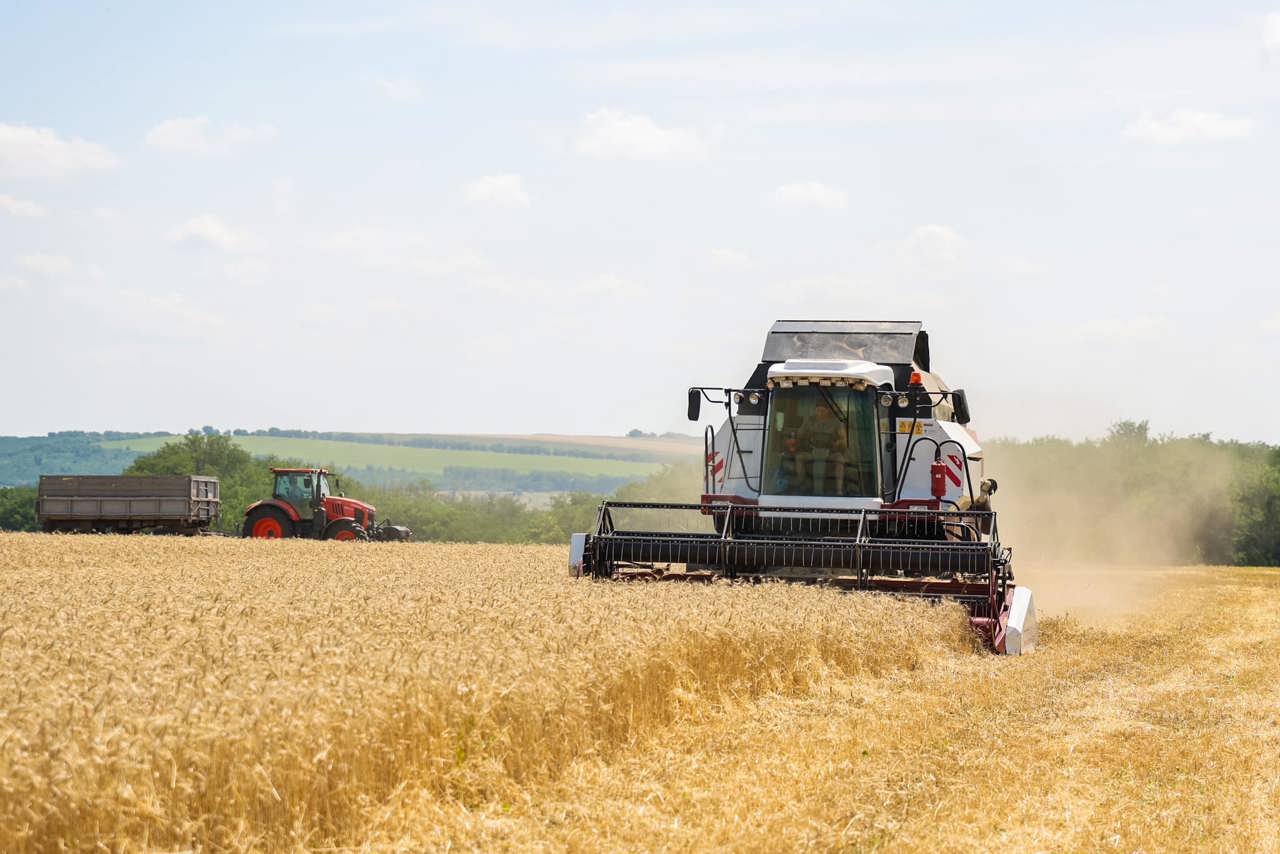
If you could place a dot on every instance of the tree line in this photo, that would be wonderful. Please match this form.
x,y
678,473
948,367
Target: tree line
x,y
1129,496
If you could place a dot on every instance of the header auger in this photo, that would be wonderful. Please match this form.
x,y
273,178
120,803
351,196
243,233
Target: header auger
x,y
843,461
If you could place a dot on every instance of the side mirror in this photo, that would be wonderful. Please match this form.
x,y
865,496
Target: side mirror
x,y
960,406
695,403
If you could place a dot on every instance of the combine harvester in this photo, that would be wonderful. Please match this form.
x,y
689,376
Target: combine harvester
x,y
843,461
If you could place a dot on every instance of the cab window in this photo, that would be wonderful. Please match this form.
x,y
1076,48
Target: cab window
x,y
294,487
822,441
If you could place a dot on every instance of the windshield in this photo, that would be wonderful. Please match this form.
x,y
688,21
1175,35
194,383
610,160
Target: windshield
x,y
821,441
294,487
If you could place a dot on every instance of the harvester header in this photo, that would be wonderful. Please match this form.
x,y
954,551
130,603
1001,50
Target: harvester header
x,y
843,460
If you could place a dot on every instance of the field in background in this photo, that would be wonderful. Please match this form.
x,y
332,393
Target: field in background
x,y
677,449
172,693
428,462
490,463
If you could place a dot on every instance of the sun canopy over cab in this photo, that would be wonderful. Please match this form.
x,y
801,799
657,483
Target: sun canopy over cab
x,y
885,342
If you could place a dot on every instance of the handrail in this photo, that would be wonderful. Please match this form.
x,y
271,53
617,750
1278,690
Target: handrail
x,y
708,458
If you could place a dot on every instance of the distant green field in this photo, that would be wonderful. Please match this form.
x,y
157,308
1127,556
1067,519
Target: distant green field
x,y
427,461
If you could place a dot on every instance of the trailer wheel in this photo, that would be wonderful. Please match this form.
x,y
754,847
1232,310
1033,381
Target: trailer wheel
x,y
267,523
345,530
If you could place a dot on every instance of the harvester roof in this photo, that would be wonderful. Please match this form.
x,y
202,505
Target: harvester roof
x,y
885,342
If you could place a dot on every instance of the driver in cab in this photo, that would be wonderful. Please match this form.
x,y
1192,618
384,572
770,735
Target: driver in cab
x,y
822,448
296,490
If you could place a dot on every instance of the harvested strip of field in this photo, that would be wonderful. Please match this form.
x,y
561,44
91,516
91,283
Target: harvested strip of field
x,y
1163,735
169,692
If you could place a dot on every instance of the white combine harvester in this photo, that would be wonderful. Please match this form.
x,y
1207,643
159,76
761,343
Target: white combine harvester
x,y
843,461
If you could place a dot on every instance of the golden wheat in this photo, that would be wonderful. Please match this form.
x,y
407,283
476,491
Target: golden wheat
x,y
176,693
165,693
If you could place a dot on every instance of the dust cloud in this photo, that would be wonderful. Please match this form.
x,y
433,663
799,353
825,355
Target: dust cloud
x,y
1100,532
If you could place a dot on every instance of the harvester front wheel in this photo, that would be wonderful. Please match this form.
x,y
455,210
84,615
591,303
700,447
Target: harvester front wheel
x,y
267,523
345,530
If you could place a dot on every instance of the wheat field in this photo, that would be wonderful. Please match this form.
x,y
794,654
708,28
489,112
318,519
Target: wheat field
x,y
218,694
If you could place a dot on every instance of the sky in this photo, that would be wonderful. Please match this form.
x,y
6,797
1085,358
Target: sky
x,y
550,217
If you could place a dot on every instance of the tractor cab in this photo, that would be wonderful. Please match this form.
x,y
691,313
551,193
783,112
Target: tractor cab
x,y
305,490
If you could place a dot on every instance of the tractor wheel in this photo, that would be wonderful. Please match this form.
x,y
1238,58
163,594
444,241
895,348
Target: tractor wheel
x,y
267,523
345,530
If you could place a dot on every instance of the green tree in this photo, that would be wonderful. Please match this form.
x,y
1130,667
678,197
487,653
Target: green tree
x,y
18,508
1257,529
195,453
1129,431
572,513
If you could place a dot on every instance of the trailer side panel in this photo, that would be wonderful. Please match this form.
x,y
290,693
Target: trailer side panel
x,y
127,503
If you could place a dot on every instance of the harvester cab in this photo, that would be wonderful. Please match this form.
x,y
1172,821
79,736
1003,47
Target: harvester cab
x,y
843,460
305,503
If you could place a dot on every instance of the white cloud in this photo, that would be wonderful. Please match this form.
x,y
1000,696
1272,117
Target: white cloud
x,y
12,283
1271,31
939,246
48,266
208,231
27,152
810,194
505,191
1273,324
402,89
616,135
18,207
197,135
1188,126
732,259
1140,327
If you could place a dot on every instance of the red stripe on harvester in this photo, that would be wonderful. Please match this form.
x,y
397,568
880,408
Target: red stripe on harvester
x,y
954,476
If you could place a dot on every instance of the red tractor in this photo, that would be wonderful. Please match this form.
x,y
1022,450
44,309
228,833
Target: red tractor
x,y
302,505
